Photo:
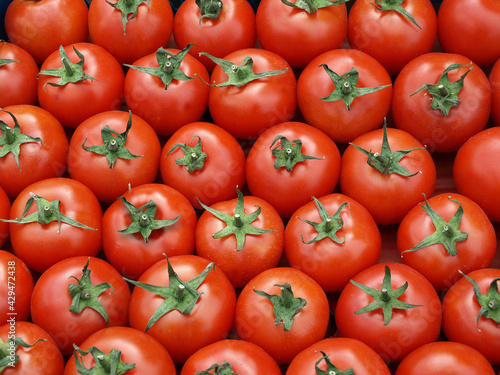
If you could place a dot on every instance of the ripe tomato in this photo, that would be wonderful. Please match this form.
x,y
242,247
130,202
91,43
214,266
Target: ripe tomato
x,y
291,162
283,311
494,79
390,307
4,214
111,151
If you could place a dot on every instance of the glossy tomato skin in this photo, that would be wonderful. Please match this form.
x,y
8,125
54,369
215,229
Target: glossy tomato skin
x,y
345,353
93,170
414,115
494,79
434,262
37,160
210,320
244,357
255,320
313,33
288,190
460,314
375,190
4,214
129,253
147,31
407,330
235,26
41,246
366,112
247,111
359,246
103,94
389,36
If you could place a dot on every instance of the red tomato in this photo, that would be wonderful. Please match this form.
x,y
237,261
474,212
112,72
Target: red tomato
x,y
4,214
446,234
132,34
408,319
303,322
494,79
18,76
346,104
390,36
132,244
291,162
44,155
111,151
441,118
77,297
332,230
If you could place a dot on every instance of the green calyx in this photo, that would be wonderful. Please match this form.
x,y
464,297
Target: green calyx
x,y
312,6
223,368
386,161
194,157
331,369
105,363
209,8
85,294
447,233
168,67
7,61
445,93
328,226
239,75
239,224
345,87
69,73
179,295
285,305
113,146
8,358
288,153
11,139
129,9
386,298
396,6
143,219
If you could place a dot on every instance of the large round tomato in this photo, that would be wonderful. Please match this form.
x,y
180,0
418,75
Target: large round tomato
x,y
4,214
494,79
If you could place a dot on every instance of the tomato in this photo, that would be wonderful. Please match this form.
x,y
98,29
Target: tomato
x,y
243,357
390,307
393,32
442,118
291,162
35,148
41,26
343,353
133,242
137,349
494,79
393,166
113,150
17,287
332,230
446,234
130,32
94,77
345,93
476,172
4,214
317,28
207,24
444,357
283,311
164,89
471,20
18,75
38,352
199,309
54,219
204,162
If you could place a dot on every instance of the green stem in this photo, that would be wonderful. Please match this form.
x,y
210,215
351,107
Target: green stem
x,y
237,220
67,66
180,292
9,136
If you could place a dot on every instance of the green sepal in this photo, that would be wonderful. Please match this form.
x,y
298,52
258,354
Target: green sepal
x,y
345,87
445,93
285,305
7,358
8,61
386,298
288,153
194,157
209,9
331,369
179,295
396,6
223,368
85,294
239,224
312,6
143,219
127,7
11,139
105,363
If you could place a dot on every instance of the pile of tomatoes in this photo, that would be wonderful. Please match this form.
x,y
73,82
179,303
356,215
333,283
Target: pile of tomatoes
x,y
238,187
